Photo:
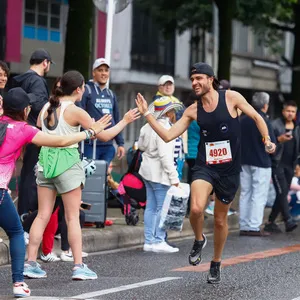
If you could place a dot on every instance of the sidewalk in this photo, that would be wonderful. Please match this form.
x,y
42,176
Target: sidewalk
x,y
119,235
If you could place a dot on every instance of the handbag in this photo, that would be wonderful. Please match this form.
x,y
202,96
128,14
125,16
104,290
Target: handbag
x,y
174,207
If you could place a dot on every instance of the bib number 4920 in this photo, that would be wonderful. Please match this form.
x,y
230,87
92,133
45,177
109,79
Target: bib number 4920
x,y
218,152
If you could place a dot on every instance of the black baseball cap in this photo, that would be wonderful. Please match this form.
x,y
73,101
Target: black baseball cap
x,y
41,53
17,99
202,68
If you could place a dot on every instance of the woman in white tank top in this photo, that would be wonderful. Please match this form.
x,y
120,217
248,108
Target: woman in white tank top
x,y
60,170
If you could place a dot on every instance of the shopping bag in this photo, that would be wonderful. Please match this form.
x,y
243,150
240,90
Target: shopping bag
x,y
174,207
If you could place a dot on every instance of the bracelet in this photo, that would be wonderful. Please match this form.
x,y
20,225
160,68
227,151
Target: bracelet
x,y
88,134
146,113
93,131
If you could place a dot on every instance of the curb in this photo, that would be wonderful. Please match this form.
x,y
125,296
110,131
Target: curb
x,y
123,236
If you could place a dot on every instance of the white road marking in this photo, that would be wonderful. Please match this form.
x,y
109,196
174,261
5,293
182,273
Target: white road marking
x,y
124,287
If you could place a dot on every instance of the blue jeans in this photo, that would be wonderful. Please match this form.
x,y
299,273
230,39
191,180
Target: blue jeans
x,y
10,222
106,153
156,194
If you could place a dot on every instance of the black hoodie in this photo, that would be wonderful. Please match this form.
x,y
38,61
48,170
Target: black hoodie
x,y
33,83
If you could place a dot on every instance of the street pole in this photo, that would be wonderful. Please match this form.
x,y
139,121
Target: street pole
x,y
111,7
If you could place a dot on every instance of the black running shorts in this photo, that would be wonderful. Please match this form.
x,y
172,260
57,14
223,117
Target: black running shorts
x,y
225,187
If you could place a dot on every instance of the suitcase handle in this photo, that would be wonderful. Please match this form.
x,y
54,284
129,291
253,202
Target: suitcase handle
x,y
94,148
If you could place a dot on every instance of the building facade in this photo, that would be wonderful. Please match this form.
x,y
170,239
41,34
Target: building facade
x,y
140,54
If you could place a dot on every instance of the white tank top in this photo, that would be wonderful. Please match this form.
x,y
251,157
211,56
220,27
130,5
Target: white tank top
x,y
62,128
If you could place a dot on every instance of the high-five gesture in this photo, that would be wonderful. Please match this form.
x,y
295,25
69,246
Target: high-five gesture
x,y
131,116
101,124
141,104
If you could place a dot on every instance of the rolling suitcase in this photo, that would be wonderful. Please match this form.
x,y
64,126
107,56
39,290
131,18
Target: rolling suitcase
x,y
95,191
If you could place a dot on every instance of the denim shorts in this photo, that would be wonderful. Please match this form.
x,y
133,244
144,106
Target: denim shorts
x,y
65,182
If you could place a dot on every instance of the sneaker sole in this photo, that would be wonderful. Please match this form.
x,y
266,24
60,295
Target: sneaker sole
x,y
21,295
83,277
148,250
30,276
162,251
198,261
213,282
67,260
49,261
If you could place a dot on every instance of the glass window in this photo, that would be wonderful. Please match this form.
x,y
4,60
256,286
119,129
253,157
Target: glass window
x,y
43,7
240,38
30,4
55,9
150,50
30,18
258,48
42,20
54,23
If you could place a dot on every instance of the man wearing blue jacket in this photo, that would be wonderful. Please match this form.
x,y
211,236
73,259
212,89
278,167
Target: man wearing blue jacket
x,y
99,100
256,170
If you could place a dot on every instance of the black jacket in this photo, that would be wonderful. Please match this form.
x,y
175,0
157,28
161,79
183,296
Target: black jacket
x,y
279,129
253,149
33,83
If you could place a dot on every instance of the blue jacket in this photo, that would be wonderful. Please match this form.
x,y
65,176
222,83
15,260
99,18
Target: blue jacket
x,y
193,140
253,149
97,103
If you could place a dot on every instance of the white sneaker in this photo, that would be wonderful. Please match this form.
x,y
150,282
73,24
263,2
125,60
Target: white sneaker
x,y
163,247
51,257
21,290
68,256
210,208
26,238
147,247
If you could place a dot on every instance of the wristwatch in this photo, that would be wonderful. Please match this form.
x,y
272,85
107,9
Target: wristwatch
x,y
266,139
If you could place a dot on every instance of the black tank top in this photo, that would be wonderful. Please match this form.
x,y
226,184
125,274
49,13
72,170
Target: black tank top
x,y
217,126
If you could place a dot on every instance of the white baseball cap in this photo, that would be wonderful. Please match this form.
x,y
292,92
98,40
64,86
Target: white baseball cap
x,y
99,62
165,78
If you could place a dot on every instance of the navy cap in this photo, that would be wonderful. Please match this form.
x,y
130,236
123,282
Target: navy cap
x,y
17,99
224,84
41,53
202,68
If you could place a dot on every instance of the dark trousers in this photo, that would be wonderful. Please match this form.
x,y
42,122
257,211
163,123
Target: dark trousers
x,y
28,200
282,177
191,163
62,225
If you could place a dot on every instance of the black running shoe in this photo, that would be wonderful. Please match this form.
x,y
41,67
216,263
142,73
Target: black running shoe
x,y
214,275
195,254
272,227
290,225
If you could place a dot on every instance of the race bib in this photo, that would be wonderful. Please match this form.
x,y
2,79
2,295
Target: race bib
x,y
218,152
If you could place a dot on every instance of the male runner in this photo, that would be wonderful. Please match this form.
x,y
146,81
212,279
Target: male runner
x,y
218,162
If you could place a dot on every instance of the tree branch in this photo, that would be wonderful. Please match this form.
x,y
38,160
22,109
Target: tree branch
x,y
282,27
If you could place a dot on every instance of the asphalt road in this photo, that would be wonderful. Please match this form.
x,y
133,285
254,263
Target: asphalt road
x,y
254,268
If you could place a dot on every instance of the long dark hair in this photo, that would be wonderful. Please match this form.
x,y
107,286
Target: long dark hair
x,y
54,86
69,82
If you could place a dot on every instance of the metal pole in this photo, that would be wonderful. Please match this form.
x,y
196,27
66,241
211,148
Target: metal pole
x,y
215,33
110,11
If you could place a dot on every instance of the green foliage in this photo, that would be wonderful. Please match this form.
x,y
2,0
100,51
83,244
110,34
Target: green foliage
x,y
178,14
78,44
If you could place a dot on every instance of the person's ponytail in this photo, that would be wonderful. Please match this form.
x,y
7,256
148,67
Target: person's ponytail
x,y
54,102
